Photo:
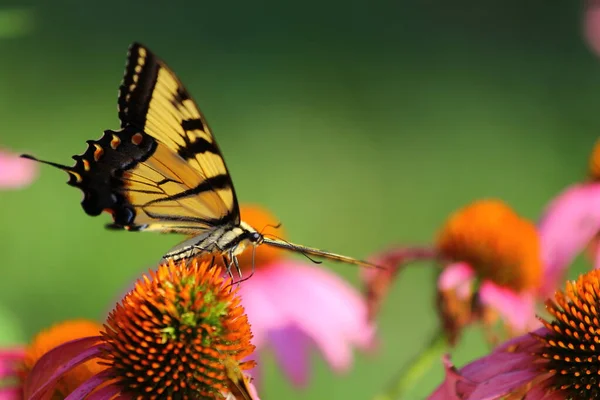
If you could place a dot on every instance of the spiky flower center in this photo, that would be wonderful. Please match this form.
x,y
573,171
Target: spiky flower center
x,y
169,337
572,348
496,242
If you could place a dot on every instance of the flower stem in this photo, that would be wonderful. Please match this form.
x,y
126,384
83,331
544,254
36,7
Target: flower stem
x,y
417,367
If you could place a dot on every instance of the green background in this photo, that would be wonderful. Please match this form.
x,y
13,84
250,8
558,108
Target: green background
x,y
359,124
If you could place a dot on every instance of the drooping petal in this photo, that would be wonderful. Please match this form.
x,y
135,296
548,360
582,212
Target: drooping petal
x,y
291,347
516,309
56,362
264,314
89,386
15,172
108,392
508,368
320,304
569,223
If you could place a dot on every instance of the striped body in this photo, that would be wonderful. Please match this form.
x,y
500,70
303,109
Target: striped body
x,y
228,241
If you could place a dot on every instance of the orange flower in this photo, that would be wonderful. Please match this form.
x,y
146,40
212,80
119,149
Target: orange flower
x,y
175,335
492,267
497,243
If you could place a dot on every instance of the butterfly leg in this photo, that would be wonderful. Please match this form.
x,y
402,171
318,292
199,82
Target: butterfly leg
x,y
227,264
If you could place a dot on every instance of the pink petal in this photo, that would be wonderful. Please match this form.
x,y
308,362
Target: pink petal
x,y
90,385
591,26
323,306
516,309
458,277
571,220
11,393
15,172
291,348
264,314
48,369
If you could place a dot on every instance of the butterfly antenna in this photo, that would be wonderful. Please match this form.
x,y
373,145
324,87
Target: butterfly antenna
x,y
59,166
294,247
270,226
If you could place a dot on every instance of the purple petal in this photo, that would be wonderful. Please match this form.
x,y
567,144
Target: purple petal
x,y
291,347
516,309
107,392
495,375
15,172
52,365
90,385
571,220
502,385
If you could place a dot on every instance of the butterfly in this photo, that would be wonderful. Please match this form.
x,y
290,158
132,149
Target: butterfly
x,y
163,171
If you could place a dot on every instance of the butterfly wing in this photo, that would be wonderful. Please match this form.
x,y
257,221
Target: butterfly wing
x,y
163,171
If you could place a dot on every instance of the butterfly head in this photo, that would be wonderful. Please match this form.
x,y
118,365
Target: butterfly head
x,y
251,234
256,238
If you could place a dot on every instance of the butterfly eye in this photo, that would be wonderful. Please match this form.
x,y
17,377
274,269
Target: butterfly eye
x,y
256,237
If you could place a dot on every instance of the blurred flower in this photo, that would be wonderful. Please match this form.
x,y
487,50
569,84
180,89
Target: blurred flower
x,y
293,305
16,363
591,25
570,223
15,172
558,361
492,268
176,334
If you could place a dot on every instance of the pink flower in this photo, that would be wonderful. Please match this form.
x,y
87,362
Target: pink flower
x,y
569,224
15,172
591,25
557,361
180,333
293,306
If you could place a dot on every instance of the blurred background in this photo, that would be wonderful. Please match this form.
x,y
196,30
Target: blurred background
x,y
360,124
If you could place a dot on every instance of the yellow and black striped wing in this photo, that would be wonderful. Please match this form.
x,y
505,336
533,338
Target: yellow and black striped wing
x,y
163,170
